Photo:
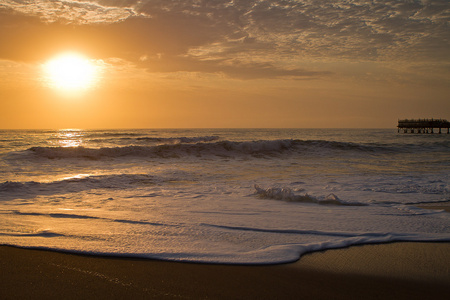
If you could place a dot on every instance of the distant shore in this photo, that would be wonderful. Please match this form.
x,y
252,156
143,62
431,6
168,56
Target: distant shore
x,y
386,271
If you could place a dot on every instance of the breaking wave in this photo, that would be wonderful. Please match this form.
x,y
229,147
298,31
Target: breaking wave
x,y
205,146
179,140
75,184
287,194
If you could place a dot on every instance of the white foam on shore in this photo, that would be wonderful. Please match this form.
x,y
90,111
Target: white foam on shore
x,y
213,228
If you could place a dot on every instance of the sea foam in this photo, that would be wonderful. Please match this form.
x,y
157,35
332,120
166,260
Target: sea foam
x,y
287,194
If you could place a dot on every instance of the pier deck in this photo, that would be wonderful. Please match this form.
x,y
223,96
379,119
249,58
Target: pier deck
x,y
422,125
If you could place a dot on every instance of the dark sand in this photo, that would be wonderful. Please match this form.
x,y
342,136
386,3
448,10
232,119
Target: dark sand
x,y
387,271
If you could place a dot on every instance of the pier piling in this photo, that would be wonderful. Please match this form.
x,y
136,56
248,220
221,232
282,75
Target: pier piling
x,y
423,125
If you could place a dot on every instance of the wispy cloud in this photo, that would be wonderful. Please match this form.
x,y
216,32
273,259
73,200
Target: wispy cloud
x,y
72,11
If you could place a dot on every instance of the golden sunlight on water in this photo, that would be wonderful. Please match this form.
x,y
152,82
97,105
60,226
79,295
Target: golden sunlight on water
x,y
78,176
69,138
71,72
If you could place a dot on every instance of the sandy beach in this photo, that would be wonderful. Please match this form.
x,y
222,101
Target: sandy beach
x,y
386,271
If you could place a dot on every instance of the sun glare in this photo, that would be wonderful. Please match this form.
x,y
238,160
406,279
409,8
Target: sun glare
x,y
71,72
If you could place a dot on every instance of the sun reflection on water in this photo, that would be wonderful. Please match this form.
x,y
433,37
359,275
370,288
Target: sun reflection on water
x,y
69,138
75,177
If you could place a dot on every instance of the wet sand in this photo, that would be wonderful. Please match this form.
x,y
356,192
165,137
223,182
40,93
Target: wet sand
x,y
437,206
386,271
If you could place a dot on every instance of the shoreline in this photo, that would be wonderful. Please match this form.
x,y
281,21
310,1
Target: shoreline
x,y
401,270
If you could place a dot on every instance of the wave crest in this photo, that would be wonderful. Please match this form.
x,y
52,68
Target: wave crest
x,y
204,146
287,194
11,189
179,140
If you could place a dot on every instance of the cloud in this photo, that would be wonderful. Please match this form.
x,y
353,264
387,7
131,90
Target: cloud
x,y
230,68
239,38
72,12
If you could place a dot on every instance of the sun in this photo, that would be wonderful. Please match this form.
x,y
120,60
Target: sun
x,y
71,72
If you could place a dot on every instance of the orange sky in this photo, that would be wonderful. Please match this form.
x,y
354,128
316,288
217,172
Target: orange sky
x,y
241,63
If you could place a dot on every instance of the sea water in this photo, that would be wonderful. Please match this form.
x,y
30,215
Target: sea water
x,y
244,196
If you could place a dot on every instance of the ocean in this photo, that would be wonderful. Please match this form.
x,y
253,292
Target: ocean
x,y
234,196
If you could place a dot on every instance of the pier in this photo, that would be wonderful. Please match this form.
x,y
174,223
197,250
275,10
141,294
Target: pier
x,y
423,125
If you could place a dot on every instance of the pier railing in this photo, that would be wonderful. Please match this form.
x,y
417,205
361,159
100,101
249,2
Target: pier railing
x,y
422,125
